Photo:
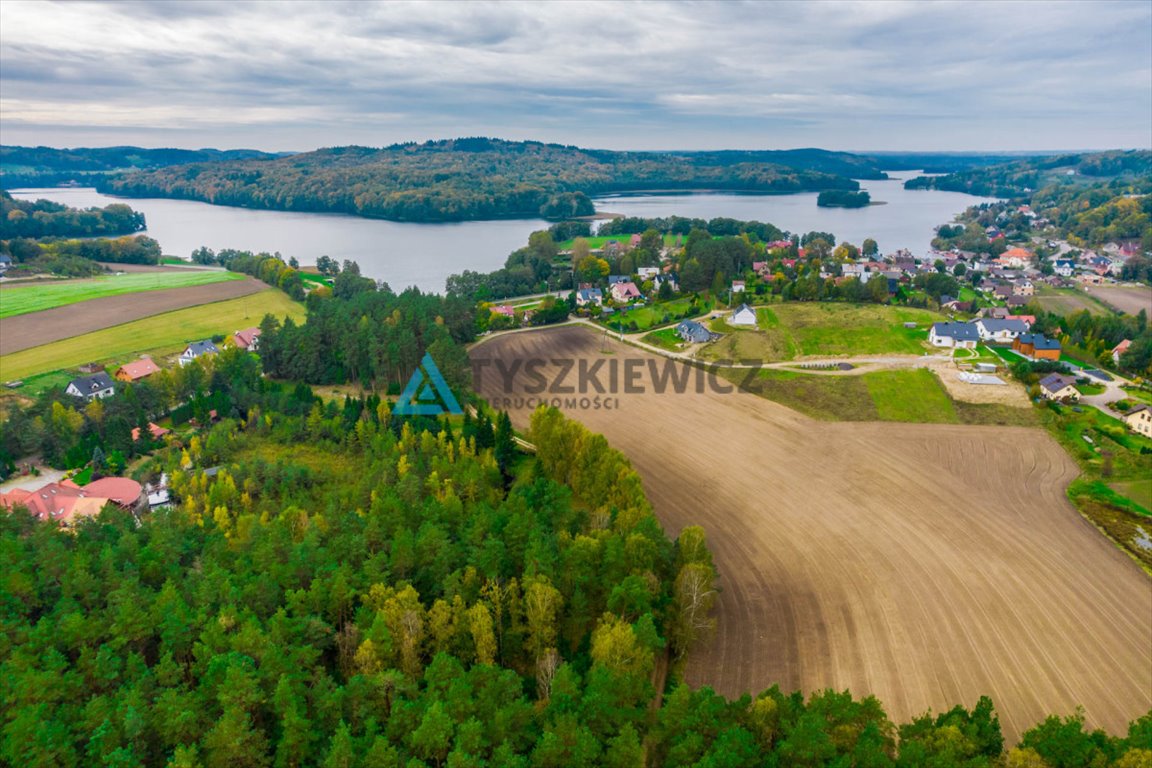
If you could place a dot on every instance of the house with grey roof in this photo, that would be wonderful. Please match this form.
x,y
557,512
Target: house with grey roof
x,y
956,335
197,349
1000,331
743,315
693,332
97,386
1057,386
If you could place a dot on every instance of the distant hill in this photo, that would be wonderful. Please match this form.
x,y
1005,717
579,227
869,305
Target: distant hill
x,y
1020,178
46,166
481,178
452,180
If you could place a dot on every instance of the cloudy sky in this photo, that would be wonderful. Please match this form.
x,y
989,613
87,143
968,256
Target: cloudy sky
x,y
624,75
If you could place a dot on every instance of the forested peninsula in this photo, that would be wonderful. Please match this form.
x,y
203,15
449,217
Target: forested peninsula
x,y
471,179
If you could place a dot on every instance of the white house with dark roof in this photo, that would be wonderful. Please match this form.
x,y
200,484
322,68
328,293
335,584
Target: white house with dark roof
x,y
1002,331
743,315
197,349
693,332
1139,420
956,335
1057,386
586,296
97,386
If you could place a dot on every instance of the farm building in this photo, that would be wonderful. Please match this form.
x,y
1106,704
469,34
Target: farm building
x,y
1037,346
1057,386
692,331
137,370
98,385
197,349
1139,420
958,335
743,315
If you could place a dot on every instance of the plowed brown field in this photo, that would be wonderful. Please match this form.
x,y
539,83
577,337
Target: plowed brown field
x,y
924,564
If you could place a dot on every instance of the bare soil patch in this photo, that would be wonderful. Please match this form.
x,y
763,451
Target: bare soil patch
x,y
1011,393
925,564
1124,298
32,330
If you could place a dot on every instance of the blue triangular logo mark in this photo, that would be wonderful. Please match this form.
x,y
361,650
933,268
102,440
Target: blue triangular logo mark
x,y
427,393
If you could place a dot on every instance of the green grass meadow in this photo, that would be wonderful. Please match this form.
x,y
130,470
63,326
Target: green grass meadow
x,y
36,297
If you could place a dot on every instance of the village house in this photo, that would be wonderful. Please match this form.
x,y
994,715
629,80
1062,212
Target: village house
x,y
743,315
5,262
956,335
626,291
197,349
137,370
1000,331
614,279
586,296
65,502
738,286
98,385
693,332
1017,258
1119,350
660,280
247,339
1023,288
1059,387
504,310
1139,420
1036,346
154,429
1064,267
647,273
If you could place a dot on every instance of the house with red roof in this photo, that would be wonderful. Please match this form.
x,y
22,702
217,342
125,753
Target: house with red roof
x,y
140,369
1119,350
66,503
247,339
625,291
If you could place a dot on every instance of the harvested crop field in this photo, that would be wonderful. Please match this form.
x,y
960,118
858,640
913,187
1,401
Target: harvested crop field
x,y
37,328
1124,298
924,564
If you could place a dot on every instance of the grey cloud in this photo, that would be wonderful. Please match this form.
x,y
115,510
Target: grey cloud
x,y
642,75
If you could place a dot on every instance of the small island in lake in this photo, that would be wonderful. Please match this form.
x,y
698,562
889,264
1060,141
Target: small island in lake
x,y
843,198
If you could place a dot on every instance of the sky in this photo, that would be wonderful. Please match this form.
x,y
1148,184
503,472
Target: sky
x,y
864,76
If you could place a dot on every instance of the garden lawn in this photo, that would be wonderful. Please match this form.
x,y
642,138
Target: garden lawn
x,y
22,299
157,335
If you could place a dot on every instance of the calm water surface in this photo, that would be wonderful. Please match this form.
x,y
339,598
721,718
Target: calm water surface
x,y
424,255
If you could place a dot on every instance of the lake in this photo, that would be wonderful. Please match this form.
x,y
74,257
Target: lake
x,y
399,253
425,254
908,220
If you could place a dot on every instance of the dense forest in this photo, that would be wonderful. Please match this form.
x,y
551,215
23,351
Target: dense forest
x,y
349,588
466,179
44,218
46,166
1022,177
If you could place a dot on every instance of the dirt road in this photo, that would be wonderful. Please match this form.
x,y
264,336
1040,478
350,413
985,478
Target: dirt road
x,y
925,564
32,330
